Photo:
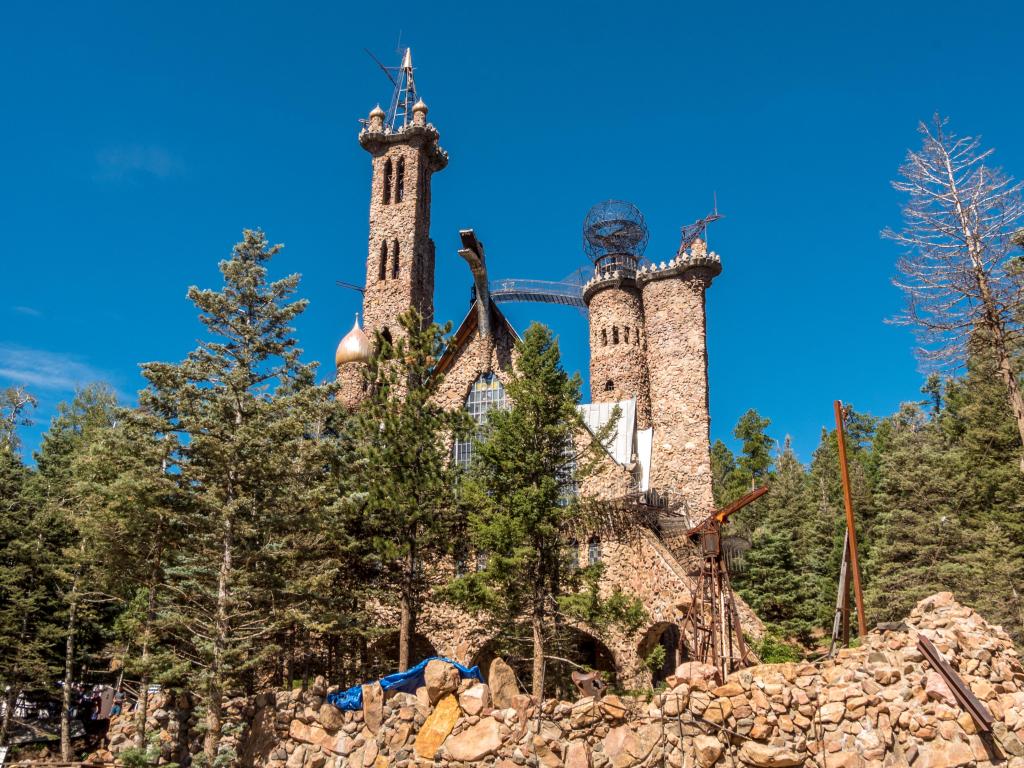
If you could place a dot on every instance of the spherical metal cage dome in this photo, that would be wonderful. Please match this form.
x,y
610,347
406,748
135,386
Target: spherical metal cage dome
x,y
614,228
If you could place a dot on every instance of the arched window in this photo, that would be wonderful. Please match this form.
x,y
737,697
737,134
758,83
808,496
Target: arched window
x,y
626,331
386,334
604,337
594,550
572,554
609,385
394,259
388,173
485,395
615,334
400,181
382,268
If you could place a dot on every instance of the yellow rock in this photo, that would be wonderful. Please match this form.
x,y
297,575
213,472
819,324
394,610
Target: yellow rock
x,y
437,727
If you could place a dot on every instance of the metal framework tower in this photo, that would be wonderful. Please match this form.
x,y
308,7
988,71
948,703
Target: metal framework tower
x,y
404,97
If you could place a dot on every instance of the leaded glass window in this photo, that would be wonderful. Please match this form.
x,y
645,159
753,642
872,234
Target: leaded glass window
x,y
485,395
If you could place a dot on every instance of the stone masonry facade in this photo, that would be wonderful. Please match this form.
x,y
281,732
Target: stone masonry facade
x,y
647,342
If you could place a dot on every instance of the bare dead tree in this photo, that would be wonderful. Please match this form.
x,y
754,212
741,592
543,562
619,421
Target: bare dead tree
x,y
15,404
958,227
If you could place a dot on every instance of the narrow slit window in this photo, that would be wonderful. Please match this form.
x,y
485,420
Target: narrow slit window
x,y
626,331
615,334
604,337
394,260
383,266
400,181
388,174
594,551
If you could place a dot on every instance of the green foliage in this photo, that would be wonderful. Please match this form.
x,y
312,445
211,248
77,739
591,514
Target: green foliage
x,y
400,463
522,511
655,660
773,649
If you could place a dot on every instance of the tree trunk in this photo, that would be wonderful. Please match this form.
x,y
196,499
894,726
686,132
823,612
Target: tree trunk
x,y
1013,393
407,624
537,624
69,661
9,699
215,686
142,707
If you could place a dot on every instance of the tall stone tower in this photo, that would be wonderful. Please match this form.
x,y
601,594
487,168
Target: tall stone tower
x,y
677,361
614,236
400,259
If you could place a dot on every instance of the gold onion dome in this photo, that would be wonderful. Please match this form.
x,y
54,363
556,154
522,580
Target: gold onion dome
x,y
354,348
377,112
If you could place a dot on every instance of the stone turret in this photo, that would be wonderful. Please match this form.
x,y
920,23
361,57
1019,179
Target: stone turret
x,y
614,236
677,365
400,260
618,363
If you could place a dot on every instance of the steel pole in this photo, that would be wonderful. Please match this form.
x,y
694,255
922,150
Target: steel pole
x,y
848,503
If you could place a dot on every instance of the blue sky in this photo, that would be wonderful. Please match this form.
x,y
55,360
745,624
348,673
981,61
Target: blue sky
x,y
137,140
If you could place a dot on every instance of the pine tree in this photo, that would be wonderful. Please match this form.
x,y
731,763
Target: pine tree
x,y
920,519
26,595
400,437
522,506
130,515
83,612
238,410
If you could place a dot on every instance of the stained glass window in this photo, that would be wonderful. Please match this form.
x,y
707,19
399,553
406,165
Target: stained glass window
x,y
486,394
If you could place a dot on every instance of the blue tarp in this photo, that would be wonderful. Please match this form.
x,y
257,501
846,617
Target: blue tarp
x,y
406,682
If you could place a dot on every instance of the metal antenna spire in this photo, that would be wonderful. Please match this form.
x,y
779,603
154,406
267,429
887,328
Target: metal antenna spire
x,y
404,97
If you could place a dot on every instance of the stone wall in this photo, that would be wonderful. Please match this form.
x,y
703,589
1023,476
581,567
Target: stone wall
x,y
677,365
405,223
875,706
617,356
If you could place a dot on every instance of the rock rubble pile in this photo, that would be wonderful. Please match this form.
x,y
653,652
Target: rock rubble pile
x,y
875,706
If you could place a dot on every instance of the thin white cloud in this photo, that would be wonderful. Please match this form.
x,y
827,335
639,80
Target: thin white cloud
x,y
128,162
30,311
42,370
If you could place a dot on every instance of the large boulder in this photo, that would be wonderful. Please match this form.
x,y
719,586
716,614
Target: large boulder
x,y
440,678
436,727
768,756
476,742
708,749
475,699
502,682
373,706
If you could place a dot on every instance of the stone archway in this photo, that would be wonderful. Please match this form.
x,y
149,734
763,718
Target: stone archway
x,y
574,649
382,654
666,635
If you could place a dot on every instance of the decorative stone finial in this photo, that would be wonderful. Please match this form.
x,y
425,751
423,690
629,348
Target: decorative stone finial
x,y
419,113
377,119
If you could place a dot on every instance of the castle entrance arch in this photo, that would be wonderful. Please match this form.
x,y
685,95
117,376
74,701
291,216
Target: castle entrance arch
x,y
573,649
382,654
664,635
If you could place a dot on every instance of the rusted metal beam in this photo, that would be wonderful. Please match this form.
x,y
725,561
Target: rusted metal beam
x,y
961,692
723,514
844,470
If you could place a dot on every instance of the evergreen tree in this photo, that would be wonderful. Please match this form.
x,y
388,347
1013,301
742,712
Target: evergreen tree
x,y
400,437
83,612
238,408
520,493
130,515
26,596
920,518
774,586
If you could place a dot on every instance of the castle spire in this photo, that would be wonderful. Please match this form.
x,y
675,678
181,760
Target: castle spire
x,y
404,98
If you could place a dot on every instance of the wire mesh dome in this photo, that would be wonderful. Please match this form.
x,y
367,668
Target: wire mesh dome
x,y
614,235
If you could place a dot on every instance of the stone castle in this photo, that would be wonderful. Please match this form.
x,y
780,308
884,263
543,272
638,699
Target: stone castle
x,y
648,355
